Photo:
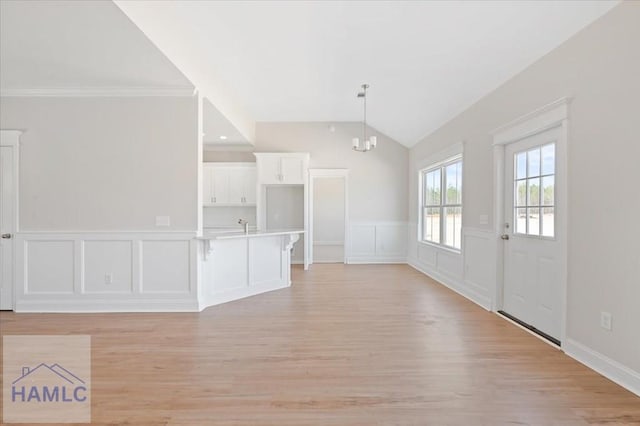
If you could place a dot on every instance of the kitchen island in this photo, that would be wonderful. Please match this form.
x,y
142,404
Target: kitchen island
x,y
239,264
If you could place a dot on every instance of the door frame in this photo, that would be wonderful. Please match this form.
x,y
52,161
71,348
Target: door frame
x,y
554,114
321,174
11,139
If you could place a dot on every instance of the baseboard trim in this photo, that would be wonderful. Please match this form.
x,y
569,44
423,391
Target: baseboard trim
x,y
464,291
366,260
612,370
104,306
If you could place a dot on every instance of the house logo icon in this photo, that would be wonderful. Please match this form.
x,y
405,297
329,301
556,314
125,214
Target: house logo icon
x,y
46,384
47,379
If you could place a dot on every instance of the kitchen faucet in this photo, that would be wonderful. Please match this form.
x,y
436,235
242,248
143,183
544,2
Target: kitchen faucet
x,y
245,224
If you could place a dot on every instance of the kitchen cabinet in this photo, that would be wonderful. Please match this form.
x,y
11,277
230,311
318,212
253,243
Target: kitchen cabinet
x,y
282,168
229,184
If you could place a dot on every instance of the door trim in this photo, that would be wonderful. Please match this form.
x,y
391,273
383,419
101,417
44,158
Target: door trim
x,y
11,139
328,173
554,114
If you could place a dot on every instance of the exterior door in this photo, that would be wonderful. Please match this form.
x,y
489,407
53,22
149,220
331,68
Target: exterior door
x,y
533,235
7,197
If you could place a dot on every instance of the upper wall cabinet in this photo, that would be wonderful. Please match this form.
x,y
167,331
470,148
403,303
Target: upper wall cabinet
x,y
229,184
282,168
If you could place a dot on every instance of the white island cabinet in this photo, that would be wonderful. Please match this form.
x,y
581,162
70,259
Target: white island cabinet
x,y
234,265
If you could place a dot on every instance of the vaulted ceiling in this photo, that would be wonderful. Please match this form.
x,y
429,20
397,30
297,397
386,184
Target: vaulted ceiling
x,y
291,61
304,61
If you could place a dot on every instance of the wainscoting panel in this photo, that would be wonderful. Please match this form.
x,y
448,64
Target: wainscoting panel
x,y
165,267
107,267
470,273
106,272
49,267
480,261
378,242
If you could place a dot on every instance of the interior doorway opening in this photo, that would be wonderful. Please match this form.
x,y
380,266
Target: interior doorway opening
x,y
328,208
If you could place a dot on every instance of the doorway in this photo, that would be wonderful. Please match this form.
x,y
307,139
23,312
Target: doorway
x,y
531,220
328,214
8,213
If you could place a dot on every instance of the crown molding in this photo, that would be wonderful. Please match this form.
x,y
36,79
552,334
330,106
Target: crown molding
x,y
91,92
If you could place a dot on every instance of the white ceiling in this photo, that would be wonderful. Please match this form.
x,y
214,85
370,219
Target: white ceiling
x,y
80,45
304,61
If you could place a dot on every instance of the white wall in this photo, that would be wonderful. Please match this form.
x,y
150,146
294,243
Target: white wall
x,y
377,182
94,174
377,179
600,69
105,164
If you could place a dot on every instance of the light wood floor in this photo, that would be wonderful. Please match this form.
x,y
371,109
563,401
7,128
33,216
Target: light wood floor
x,y
345,345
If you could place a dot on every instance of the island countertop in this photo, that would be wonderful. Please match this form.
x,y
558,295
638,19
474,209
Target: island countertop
x,y
225,234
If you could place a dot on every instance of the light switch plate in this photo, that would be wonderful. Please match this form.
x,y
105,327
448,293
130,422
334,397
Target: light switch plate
x,y
606,320
163,221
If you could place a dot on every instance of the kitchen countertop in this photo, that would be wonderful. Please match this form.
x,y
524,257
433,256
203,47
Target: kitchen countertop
x,y
227,234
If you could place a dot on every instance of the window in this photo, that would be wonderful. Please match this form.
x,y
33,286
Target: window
x,y
442,204
534,198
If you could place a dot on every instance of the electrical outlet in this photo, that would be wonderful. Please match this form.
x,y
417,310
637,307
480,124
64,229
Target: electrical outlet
x,y
605,320
108,278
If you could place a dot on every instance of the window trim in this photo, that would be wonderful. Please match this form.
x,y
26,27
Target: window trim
x,y
439,165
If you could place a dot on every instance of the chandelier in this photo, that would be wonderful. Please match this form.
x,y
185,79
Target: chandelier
x,y
366,144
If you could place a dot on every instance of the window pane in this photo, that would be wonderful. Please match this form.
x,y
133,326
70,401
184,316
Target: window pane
x,y
431,221
453,227
521,193
533,216
521,221
453,178
548,222
432,188
547,190
533,157
549,159
533,188
521,165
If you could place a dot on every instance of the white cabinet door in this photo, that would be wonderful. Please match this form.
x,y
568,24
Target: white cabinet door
x,y
292,170
282,169
269,170
249,186
207,185
228,185
236,185
220,186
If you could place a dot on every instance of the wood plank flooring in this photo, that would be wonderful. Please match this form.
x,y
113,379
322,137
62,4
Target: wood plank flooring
x,y
345,345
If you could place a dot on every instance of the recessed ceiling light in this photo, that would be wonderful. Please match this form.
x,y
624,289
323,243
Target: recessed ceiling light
x,y
223,138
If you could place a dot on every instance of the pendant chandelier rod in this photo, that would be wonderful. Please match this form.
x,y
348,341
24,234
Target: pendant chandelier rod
x,y
367,144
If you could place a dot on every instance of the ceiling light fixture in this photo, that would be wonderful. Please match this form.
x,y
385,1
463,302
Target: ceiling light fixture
x,y
366,144
223,138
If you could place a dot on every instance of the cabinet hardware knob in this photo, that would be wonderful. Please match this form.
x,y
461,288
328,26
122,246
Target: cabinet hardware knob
x,y
7,236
